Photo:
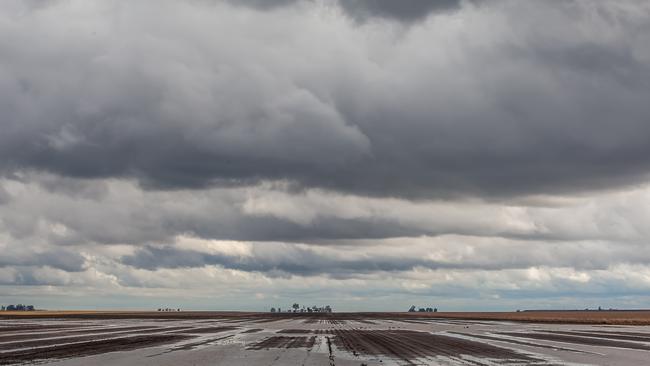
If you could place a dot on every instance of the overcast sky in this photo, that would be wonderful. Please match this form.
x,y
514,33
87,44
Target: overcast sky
x,y
368,154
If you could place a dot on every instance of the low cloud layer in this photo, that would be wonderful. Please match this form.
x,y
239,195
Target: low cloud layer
x,y
494,150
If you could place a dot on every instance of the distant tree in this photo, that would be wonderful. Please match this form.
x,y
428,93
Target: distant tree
x,y
11,308
412,309
435,310
422,310
328,309
2,308
29,308
273,310
295,306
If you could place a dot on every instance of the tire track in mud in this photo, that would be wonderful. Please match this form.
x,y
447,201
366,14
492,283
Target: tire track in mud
x,y
329,349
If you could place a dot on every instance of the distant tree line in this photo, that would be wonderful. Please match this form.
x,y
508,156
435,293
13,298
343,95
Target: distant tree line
x,y
413,309
296,308
19,307
168,310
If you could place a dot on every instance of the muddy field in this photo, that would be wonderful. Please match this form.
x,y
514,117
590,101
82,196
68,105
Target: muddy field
x,y
83,338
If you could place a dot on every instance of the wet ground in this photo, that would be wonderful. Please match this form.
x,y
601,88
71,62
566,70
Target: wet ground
x,y
315,340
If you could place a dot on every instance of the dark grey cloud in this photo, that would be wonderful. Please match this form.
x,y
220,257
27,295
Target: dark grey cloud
x,y
263,4
63,259
405,10
290,261
276,259
5,197
544,114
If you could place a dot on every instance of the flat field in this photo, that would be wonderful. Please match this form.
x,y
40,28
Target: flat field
x,y
205,338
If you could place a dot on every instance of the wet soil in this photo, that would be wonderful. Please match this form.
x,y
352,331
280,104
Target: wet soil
x,y
86,348
580,340
255,330
409,345
207,330
284,342
50,334
522,343
294,331
626,337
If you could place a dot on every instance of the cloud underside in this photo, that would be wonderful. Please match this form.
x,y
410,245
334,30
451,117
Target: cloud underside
x,y
494,148
451,107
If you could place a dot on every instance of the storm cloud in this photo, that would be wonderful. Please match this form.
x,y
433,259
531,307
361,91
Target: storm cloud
x,y
408,11
477,149
515,110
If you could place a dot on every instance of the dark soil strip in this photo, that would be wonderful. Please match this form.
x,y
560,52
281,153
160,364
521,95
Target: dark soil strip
x,y
334,321
191,346
80,338
640,334
294,331
646,338
87,348
270,320
522,343
413,321
365,321
323,331
411,345
106,330
25,328
255,330
579,340
207,330
284,342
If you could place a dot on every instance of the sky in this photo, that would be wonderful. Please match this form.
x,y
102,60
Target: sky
x,y
367,154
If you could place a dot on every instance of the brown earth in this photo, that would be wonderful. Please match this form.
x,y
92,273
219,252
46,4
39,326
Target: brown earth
x,y
562,317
